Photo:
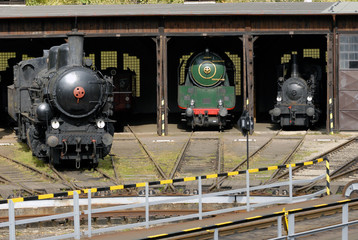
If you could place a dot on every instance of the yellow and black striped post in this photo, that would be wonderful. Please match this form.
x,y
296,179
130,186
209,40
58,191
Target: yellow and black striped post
x,y
328,180
285,219
331,116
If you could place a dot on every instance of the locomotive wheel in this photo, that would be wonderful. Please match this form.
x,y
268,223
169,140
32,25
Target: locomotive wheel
x,y
350,190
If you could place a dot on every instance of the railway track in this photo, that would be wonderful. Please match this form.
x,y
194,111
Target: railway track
x,y
20,179
84,179
200,155
343,162
277,150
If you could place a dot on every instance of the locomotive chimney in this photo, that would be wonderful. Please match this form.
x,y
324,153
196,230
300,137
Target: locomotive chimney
x,y
294,70
75,42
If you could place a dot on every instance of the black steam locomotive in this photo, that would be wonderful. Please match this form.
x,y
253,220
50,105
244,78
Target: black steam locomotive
x,y
297,102
61,106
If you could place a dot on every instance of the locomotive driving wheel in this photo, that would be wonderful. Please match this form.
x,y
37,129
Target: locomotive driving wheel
x,y
350,190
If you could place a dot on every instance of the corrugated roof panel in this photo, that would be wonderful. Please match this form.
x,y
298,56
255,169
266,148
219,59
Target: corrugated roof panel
x,y
343,8
290,8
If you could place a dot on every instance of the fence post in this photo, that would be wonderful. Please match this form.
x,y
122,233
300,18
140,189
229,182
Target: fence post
x,y
328,180
291,183
146,205
279,226
12,233
200,199
291,226
89,215
76,215
216,234
345,220
247,191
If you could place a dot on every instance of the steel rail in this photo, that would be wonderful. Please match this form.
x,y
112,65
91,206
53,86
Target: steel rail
x,y
221,161
244,161
158,168
64,180
105,175
180,158
48,176
26,189
337,148
287,158
119,213
334,175
114,168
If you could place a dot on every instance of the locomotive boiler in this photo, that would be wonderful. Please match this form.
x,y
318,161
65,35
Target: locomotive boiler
x,y
62,107
207,94
297,102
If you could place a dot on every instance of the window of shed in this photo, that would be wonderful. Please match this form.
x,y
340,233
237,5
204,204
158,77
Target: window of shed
x,y
236,60
133,63
108,59
4,57
348,52
26,57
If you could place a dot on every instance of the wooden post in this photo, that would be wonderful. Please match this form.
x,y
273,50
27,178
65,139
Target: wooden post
x,y
330,125
162,83
248,42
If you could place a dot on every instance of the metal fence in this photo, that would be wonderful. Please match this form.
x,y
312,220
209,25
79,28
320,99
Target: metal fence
x,y
287,216
11,224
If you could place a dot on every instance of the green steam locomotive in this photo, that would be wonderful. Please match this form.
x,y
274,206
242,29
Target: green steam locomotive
x,y
207,93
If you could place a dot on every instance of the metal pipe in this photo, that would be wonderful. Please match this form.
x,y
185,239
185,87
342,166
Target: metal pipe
x,y
89,218
294,70
12,233
200,199
75,42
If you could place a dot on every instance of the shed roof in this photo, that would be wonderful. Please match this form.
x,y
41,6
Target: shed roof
x,y
262,8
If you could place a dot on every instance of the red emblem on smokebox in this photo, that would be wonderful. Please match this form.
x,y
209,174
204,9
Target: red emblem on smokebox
x,y
78,92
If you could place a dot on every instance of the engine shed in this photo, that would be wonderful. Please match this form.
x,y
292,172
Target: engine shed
x,y
155,41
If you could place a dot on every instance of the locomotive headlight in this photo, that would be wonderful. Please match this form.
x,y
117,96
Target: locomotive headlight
x,y
279,98
55,124
192,102
100,123
220,103
309,98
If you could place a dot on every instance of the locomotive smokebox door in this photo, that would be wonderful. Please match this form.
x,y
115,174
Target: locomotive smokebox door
x,y
246,123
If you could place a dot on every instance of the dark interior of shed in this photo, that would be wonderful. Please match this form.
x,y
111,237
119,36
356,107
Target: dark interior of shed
x,y
139,55
136,54
269,53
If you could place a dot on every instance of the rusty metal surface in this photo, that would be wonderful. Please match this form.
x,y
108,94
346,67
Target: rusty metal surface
x,y
121,26
348,100
348,80
144,19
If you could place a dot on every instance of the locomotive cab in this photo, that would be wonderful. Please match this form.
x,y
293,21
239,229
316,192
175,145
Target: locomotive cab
x,y
207,94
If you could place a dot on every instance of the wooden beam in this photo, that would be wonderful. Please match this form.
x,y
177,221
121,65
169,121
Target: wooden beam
x,y
162,83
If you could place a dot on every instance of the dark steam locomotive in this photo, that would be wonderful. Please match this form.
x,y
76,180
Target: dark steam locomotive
x,y
208,92
61,106
297,102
